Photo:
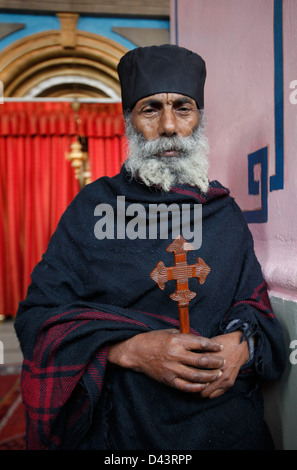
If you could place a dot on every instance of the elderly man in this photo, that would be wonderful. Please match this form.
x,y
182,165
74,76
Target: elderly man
x,y
105,363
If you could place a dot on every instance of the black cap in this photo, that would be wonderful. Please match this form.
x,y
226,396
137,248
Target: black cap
x,y
145,71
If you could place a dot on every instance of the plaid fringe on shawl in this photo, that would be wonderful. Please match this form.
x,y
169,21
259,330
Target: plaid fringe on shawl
x,y
59,362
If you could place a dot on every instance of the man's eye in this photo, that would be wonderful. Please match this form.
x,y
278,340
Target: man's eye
x,y
149,110
184,109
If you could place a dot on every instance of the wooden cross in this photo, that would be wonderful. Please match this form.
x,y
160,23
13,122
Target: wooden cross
x,y
181,272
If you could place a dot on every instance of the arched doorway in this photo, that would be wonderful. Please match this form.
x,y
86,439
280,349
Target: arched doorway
x,y
62,63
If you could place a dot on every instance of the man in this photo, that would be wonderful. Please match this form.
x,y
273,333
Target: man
x,y
105,365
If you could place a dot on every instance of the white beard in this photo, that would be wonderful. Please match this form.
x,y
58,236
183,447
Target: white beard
x,y
190,167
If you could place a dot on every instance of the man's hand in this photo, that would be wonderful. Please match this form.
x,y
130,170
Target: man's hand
x,y
184,361
187,362
235,354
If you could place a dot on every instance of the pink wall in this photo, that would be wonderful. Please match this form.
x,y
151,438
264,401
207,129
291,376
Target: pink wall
x,y
241,47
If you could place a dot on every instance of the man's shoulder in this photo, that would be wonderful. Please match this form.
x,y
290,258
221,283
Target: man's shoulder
x,y
83,204
218,191
103,186
102,182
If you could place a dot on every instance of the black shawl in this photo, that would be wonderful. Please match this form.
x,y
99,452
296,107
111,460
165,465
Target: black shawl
x,y
88,293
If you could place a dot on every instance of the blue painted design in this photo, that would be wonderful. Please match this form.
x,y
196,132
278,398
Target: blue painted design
x,y
258,215
102,26
277,180
33,24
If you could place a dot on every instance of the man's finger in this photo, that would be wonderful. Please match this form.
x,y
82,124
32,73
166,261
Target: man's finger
x,y
204,361
200,375
200,343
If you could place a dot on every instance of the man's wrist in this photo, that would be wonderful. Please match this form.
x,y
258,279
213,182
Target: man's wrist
x,y
122,354
246,334
243,345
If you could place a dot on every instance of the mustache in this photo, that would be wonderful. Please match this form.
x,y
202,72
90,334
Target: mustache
x,y
156,147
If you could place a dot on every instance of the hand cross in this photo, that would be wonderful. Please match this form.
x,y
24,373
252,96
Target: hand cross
x,y
181,272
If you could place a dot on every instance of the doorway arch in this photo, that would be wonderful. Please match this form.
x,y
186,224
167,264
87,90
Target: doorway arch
x,y
41,65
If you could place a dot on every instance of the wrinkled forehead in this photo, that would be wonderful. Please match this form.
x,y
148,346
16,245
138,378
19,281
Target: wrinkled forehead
x,y
162,99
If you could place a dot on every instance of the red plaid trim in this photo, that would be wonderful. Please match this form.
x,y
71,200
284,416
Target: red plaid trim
x,y
260,301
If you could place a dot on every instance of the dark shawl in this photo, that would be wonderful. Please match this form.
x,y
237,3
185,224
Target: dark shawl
x,y
87,294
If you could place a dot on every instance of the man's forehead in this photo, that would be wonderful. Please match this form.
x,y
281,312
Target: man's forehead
x,y
166,98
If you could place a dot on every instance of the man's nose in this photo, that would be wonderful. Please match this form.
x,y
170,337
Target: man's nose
x,y
167,125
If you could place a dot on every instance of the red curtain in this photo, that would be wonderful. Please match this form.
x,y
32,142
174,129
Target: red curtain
x,y
37,182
